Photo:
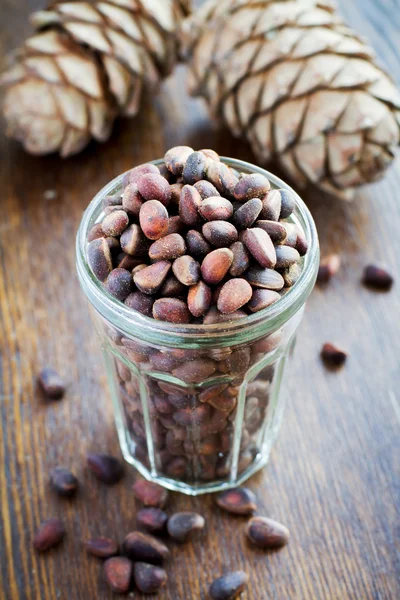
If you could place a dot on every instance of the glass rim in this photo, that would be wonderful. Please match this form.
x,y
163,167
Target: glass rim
x,y
133,323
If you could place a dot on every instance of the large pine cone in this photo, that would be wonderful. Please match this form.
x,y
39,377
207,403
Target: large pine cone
x,y
88,62
291,78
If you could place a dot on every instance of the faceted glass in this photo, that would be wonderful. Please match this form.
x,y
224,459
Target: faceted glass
x,y
197,407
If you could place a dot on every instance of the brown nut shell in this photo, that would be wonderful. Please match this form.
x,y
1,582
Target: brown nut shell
x,y
216,265
154,187
50,533
262,299
175,159
149,579
265,278
99,258
259,244
132,200
250,186
189,204
216,208
186,270
195,168
220,233
150,493
199,299
168,248
150,279
196,243
271,206
234,294
229,586
267,533
184,526
238,501
154,219
171,310
206,189
118,574
115,223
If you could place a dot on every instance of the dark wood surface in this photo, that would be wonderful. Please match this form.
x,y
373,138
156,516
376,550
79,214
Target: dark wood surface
x,y
333,477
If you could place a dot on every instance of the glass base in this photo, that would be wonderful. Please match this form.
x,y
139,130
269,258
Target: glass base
x,y
260,461
195,490
266,436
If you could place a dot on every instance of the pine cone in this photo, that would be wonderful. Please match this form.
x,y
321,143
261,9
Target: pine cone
x,y
88,63
291,78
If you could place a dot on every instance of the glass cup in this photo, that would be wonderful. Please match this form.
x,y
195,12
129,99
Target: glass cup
x,y
197,407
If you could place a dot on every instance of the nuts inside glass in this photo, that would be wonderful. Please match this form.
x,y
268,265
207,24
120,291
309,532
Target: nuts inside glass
x,y
197,405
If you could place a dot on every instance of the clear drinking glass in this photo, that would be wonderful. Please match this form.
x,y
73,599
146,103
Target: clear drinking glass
x,y
197,407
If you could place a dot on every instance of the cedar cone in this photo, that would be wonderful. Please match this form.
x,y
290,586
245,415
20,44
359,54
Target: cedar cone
x,y
300,86
88,62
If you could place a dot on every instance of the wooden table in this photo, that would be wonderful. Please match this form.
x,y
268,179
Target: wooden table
x,y
333,477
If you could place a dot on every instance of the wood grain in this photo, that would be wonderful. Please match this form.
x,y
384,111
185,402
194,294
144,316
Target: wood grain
x,y
333,478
